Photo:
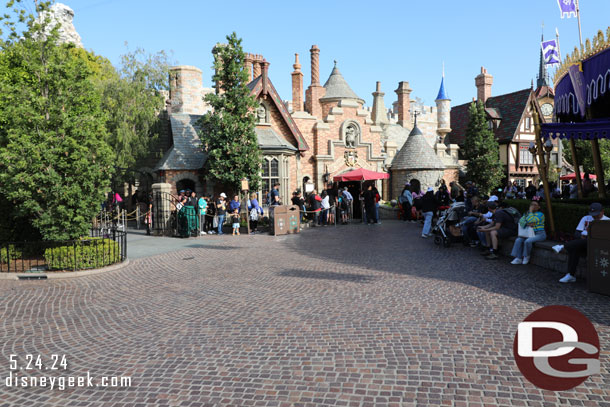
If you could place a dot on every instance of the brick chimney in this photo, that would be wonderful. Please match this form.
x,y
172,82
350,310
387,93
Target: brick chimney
x,y
264,73
315,91
483,81
248,66
297,86
256,71
404,103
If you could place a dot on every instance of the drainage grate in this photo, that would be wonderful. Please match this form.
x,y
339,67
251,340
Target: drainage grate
x,y
33,277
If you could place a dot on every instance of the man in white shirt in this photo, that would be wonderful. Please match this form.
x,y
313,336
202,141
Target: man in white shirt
x,y
578,247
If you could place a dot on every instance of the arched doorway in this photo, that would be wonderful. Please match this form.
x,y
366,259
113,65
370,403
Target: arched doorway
x,y
185,184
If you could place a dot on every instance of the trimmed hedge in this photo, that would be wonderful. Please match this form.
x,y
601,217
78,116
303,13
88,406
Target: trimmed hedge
x,y
566,215
84,254
9,252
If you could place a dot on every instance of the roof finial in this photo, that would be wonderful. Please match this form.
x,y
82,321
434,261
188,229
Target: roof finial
x,y
335,63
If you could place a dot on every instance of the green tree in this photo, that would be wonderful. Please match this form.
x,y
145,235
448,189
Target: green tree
x,y
133,97
585,155
482,151
55,163
228,131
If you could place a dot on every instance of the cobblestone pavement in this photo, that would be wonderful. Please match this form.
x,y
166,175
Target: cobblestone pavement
x,y
347,316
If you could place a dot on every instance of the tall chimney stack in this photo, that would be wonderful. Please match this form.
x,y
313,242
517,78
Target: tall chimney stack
x,y
256,71
404,103
297,86
483,81
265,72
315,65
248,66
379,115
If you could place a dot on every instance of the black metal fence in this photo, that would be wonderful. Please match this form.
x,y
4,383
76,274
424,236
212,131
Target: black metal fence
x,y
101,248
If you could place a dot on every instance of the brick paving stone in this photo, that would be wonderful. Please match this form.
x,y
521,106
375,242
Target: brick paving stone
x,y
345,316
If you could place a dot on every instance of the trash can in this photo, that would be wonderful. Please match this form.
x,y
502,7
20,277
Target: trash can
x,y
278,219
188,221
598,258
293,219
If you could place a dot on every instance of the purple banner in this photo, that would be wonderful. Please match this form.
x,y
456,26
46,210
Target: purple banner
x,y
567,8
578,82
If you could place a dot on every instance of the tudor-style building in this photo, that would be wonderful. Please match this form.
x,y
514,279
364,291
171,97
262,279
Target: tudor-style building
x,y
510,118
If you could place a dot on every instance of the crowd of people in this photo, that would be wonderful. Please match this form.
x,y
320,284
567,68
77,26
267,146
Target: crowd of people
x,y
484,221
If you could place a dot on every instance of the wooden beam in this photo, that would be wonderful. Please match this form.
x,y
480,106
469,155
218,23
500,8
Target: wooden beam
x,y
576,165
599,170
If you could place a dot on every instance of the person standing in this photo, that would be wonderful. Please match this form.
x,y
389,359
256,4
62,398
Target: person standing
x,y
298,200
234,204
369,204
209,215
325,208
255,211
315,205
202,204
274,194
578,246
235,222
221,211
522,247
406,202
349,200
428,207
149,217
377,199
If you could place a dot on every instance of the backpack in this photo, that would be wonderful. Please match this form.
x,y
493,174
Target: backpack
x,y
254,214
514,213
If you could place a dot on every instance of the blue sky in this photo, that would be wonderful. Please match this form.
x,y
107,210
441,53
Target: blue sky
x,y
387,41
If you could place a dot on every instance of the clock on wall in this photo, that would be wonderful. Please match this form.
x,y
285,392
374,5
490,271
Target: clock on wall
x,y
547,109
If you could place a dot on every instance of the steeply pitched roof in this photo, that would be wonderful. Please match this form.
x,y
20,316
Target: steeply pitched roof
x,y
510,108
186,152
268,139
256,88
337,88
442,94
416,154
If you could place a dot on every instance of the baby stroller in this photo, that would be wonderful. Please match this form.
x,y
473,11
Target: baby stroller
x,y
447,229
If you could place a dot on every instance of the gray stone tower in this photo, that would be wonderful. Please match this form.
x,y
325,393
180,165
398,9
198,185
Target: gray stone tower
x,y
186,90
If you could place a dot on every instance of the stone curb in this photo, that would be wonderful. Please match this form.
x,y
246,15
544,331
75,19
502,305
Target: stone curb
x,y
66,274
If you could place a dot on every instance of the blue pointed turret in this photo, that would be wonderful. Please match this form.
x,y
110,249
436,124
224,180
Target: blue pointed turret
x,y
442,94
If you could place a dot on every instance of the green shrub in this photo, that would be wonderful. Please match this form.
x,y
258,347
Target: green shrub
x,y
566,215
9,252
83,254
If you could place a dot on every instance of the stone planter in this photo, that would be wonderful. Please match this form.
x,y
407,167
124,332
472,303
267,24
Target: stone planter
x,y
386,213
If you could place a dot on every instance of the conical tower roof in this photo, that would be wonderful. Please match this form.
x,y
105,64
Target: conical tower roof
x,y
338,89
417,154
442,94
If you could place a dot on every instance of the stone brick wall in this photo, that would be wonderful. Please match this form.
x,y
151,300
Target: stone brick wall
x,y
186,90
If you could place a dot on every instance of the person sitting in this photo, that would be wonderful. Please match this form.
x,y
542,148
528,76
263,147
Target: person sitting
x,y
522,248
502,226
578,246
471,217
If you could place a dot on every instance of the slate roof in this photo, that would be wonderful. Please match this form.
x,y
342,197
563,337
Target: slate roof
x,y
186,152
268,139
509,107
337,88
417,154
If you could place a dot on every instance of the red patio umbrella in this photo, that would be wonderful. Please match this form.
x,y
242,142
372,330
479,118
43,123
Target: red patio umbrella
x,y
571,176
361,174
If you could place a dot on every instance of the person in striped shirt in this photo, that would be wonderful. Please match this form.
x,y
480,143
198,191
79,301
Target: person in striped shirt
x,y
522,248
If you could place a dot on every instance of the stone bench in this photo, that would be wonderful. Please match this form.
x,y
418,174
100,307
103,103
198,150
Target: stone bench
x,y
544,256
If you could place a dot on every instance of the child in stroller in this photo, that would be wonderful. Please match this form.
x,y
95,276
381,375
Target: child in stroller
x,y
447,230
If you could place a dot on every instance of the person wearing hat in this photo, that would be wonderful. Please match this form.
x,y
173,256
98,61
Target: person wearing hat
x,y
428,207
221,211
578,246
